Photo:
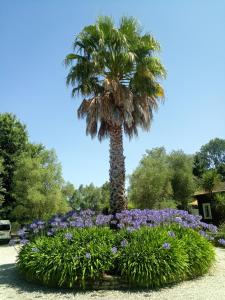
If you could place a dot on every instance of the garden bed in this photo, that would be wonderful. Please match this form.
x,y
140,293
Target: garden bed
x,y
149,249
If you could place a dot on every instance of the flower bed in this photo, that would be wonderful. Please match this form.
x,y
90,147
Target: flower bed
x,y
151,249
129,219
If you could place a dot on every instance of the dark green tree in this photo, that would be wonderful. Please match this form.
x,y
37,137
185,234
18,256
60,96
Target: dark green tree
x,y
118,74
90,197
13,141
219,204
210,156
68,191
182,179
37,186
210,179
2,190
150,183
105,195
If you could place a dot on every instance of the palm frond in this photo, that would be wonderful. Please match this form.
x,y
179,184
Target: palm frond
x,y
116,70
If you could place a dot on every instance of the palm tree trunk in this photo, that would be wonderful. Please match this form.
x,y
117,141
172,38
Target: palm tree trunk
x,y
118,201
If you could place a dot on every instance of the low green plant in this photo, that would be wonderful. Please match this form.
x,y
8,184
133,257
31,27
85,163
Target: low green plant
x,y
220,236
153,258
15,227
221,231
147,257
71,258
200,251
220,209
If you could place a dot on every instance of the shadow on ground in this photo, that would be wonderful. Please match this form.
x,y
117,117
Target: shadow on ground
x,y
10,277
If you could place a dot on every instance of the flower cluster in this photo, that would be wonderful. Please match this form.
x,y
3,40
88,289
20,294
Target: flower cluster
x,y
166,246
171,234
129,219
68,236
221,242
136,218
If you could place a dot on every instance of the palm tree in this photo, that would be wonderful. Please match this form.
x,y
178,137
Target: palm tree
x,y
116,72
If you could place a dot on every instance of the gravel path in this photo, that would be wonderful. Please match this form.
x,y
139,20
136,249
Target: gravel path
x,y
209,287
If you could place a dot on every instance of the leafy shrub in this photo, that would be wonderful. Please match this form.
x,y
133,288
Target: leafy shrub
x,y
153,258
15,227
71,258
220,208
150,250
200,252
220,236
221,231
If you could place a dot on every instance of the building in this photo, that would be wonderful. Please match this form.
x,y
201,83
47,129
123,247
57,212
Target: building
x,y
205,203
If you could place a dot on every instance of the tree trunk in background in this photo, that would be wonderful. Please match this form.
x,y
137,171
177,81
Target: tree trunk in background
x,y
118,199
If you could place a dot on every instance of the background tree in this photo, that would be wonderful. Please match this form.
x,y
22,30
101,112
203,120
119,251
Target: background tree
x,y
37,187
2,190
182,180
220,208
211,156
13,141
68,191
150,183
105,196
91,197
210,179
116,71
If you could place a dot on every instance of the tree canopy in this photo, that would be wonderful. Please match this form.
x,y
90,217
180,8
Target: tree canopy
x,y
209,180
37,187
182,180
161,178
13,142
2,190
30,176
91,197
117,70
150,183
211,156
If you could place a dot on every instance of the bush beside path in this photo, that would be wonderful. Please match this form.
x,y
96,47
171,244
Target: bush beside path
x,y
211,286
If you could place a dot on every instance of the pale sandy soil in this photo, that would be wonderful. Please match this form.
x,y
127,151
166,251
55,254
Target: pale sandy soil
x,y
209,287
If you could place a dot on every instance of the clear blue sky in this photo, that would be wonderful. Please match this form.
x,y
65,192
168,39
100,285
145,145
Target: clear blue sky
x,y
35,37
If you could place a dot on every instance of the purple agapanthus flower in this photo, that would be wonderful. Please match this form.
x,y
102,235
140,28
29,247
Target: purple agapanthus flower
x,y
12,242
21,232
202,233
49,233
114,250
33,225
166,246
130,229
88,255
129,219
57,219
124,243
178,219
39,223
171,234
63,225
221,242
34,249
24,241
68,236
